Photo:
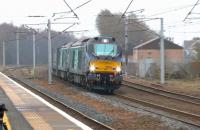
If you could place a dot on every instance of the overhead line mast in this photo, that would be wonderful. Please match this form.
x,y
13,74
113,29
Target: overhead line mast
x,y
126,36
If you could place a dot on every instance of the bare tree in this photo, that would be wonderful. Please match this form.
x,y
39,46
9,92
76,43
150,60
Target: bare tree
x,y
197,50
112,25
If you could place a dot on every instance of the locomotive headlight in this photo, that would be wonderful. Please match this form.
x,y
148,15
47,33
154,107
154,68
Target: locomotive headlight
x,y
92,67
118,69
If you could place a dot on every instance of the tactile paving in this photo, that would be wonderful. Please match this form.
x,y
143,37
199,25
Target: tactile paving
x,y
39,115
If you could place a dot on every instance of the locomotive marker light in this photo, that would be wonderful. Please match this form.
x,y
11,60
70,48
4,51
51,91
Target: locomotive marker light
x,y
118,69
105,40
92,68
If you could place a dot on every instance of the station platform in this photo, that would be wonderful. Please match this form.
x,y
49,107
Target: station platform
x,y
27,111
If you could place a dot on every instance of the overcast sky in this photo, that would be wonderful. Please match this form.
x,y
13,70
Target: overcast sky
x,y
16,12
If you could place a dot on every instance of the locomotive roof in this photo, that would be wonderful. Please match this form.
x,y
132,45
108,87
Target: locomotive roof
x,y
102,38
84,41
80,42
67,45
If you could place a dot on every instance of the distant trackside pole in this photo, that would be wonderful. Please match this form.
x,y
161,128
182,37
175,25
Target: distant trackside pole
x,y
162,53
17,39
34,53
4,55
49,53
126,45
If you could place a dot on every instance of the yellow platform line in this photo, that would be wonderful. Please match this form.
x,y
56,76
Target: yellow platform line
x,y
6,120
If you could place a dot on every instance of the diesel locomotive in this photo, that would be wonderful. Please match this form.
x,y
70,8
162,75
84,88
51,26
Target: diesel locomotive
x,y
93,63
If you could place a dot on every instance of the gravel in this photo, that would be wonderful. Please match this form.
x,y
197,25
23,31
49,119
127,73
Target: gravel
x,y
141,110
111,100
126,105
87,110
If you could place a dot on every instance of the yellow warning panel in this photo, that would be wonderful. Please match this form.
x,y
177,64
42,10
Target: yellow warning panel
x,y
36,121
6,120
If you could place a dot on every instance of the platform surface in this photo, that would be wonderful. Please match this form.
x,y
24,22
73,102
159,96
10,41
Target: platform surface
x,y
40,114
18,121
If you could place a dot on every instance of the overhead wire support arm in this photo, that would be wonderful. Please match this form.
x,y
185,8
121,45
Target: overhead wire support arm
x,y
66,23
76,31
127,8
63,18
139,10
144,20
63,31
194,18
71,9
191,10
36,16
69,27
171,10
25,25
83,4
123,15
37,24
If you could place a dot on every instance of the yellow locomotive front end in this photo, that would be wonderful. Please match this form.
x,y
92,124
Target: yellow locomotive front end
x,y
105,74
105,66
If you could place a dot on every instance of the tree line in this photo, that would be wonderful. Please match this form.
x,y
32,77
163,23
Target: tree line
x,y
8,34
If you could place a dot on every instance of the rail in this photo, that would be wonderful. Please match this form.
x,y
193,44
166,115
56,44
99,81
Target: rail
x,y
162,92
95,124
185,117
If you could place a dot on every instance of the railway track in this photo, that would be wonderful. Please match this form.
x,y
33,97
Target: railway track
x,y
182,116
16,67
96,125
161,92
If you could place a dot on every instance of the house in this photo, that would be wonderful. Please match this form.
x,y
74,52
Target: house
x,y
146,56
191,56
189,49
